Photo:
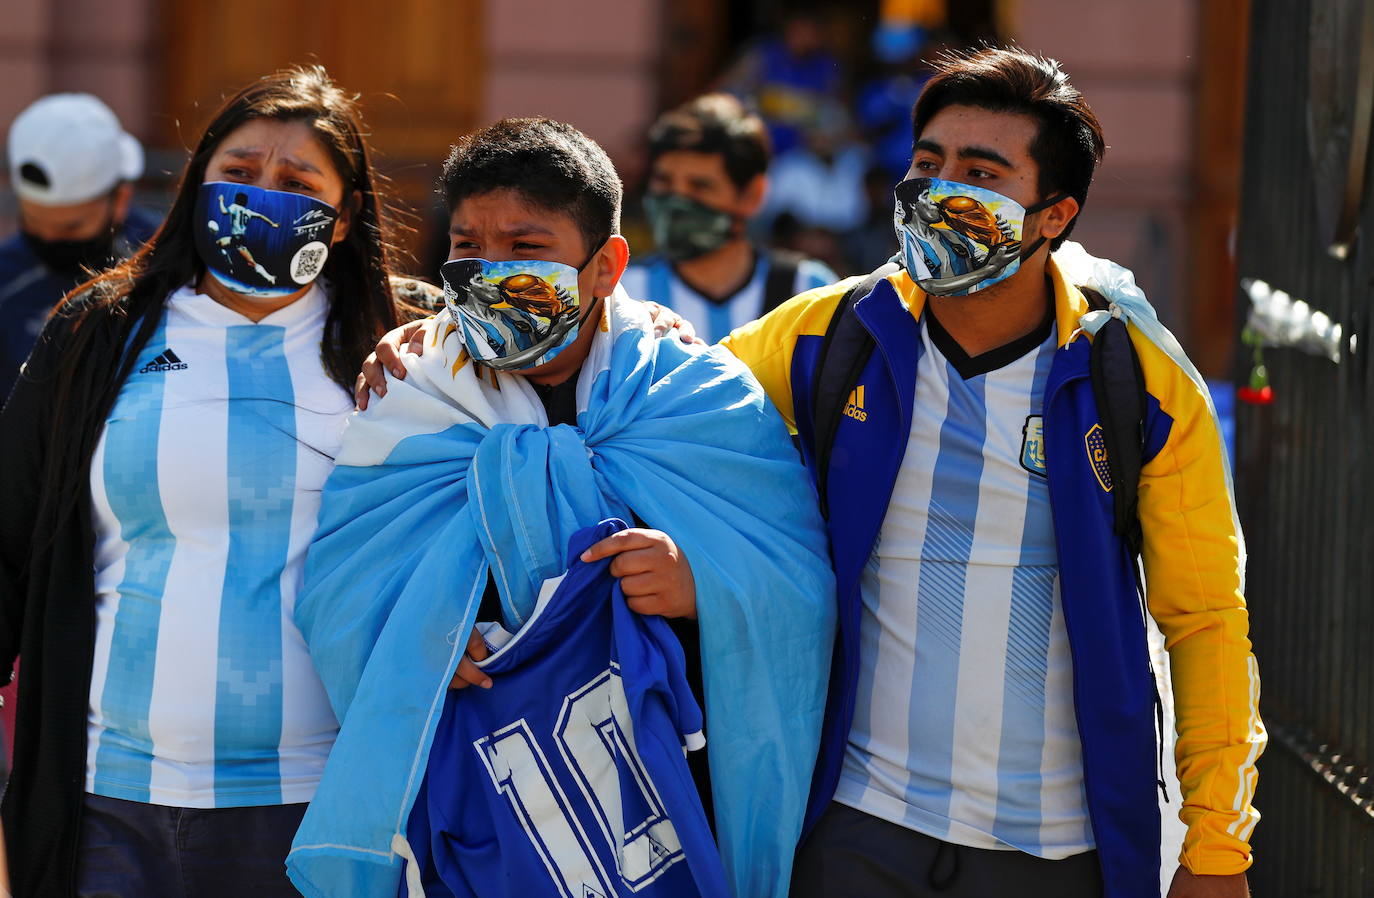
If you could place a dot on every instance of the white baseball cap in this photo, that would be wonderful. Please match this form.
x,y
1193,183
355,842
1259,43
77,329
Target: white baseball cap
x,y
69,148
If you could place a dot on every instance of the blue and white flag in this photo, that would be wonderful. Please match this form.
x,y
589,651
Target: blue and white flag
x,y
455,472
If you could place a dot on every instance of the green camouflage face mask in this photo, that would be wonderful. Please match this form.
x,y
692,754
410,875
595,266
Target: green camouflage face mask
x,y
684,228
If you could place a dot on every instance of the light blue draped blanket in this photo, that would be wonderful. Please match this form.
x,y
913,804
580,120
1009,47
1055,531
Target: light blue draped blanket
x,y
455,473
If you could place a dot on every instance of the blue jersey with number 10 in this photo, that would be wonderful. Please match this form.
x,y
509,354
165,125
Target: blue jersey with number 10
x,y
568,777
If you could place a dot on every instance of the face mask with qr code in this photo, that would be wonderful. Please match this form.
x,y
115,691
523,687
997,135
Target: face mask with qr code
x,y
260,242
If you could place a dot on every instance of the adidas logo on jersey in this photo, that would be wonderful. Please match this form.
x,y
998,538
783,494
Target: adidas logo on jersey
x,y
166,361
854,408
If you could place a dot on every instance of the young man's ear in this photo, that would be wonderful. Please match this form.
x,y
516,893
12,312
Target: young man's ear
x,y
347,210
609,265
753,195
1056,218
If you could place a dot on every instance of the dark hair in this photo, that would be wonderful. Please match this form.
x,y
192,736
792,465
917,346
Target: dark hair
x,y
720,125
552,165
121,307
1068,145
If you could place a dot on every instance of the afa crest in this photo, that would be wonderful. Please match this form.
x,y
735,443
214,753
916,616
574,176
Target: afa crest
x,y
1096,444
1033,445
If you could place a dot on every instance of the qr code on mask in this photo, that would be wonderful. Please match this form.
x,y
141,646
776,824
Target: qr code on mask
x,y
308,262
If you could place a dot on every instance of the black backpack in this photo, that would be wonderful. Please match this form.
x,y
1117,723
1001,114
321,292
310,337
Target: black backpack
x,y
1118,390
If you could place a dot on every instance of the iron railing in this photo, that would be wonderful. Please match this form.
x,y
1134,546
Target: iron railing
x,y
1304,479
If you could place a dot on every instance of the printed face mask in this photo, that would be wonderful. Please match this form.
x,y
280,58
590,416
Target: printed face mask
x,y
262,242
684,228
958,239
512,315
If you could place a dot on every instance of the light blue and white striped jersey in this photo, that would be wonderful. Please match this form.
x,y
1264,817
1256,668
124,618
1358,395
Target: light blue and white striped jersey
x,y
658,282
206,485
964,727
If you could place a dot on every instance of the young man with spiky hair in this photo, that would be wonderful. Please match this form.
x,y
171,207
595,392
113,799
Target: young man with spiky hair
x,y
991,725
544,408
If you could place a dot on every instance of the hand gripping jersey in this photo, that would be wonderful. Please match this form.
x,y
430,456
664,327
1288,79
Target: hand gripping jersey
x,y
568,777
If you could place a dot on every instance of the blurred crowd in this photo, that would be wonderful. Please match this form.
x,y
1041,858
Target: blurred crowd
x,y
838,115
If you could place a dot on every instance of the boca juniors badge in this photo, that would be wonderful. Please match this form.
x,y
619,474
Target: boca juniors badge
x,y
1096,444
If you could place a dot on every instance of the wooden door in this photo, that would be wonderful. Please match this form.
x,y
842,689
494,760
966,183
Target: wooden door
x,y
418,65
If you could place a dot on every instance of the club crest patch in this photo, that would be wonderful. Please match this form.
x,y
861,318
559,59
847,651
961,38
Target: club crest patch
x,y
1096,444
1033,445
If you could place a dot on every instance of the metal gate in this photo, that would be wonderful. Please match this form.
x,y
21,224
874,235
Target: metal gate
x,y
1305,481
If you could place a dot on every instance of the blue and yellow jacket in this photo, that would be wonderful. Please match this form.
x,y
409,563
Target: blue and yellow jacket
x,y
1193,560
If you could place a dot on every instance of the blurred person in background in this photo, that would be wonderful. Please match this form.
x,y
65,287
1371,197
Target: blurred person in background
x,y
73,168
820,183
871,244
163,454
883,103
707,178
788,76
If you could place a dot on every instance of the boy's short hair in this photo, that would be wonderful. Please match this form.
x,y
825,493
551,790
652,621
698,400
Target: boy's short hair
x,y
551,164
1069,144
715,124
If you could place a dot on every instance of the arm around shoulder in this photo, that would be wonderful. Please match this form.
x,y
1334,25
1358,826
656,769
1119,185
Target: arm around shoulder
x,y
768,345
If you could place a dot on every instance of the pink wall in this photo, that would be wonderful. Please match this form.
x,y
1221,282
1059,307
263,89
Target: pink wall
x,y
1137,65
104,47
592,63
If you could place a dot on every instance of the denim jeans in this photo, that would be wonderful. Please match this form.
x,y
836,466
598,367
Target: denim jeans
x,y
133,850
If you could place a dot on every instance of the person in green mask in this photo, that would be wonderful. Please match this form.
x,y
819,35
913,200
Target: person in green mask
x,y
708,164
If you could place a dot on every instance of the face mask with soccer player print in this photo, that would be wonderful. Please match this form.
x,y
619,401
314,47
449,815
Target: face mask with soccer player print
x,y
512,315
260,242
958,239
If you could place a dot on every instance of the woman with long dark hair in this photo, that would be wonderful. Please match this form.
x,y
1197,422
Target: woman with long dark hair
x,y
161,459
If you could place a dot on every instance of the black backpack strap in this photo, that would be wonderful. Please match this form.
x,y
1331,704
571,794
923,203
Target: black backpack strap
x,y
845,351
1119,390
780,284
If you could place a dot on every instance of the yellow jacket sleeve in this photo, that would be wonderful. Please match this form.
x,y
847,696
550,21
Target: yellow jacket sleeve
x,y
1194,558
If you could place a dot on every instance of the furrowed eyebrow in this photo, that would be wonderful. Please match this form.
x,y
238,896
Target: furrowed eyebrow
x,y
302,165
929,146
520,230
257,153
526,228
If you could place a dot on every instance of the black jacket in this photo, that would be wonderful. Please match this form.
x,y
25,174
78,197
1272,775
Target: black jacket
x,y
47,615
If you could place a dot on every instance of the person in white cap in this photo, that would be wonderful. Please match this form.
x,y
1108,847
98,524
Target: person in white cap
x,y
72,167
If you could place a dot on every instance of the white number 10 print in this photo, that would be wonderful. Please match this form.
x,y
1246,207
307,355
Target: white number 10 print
x,y
594,738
